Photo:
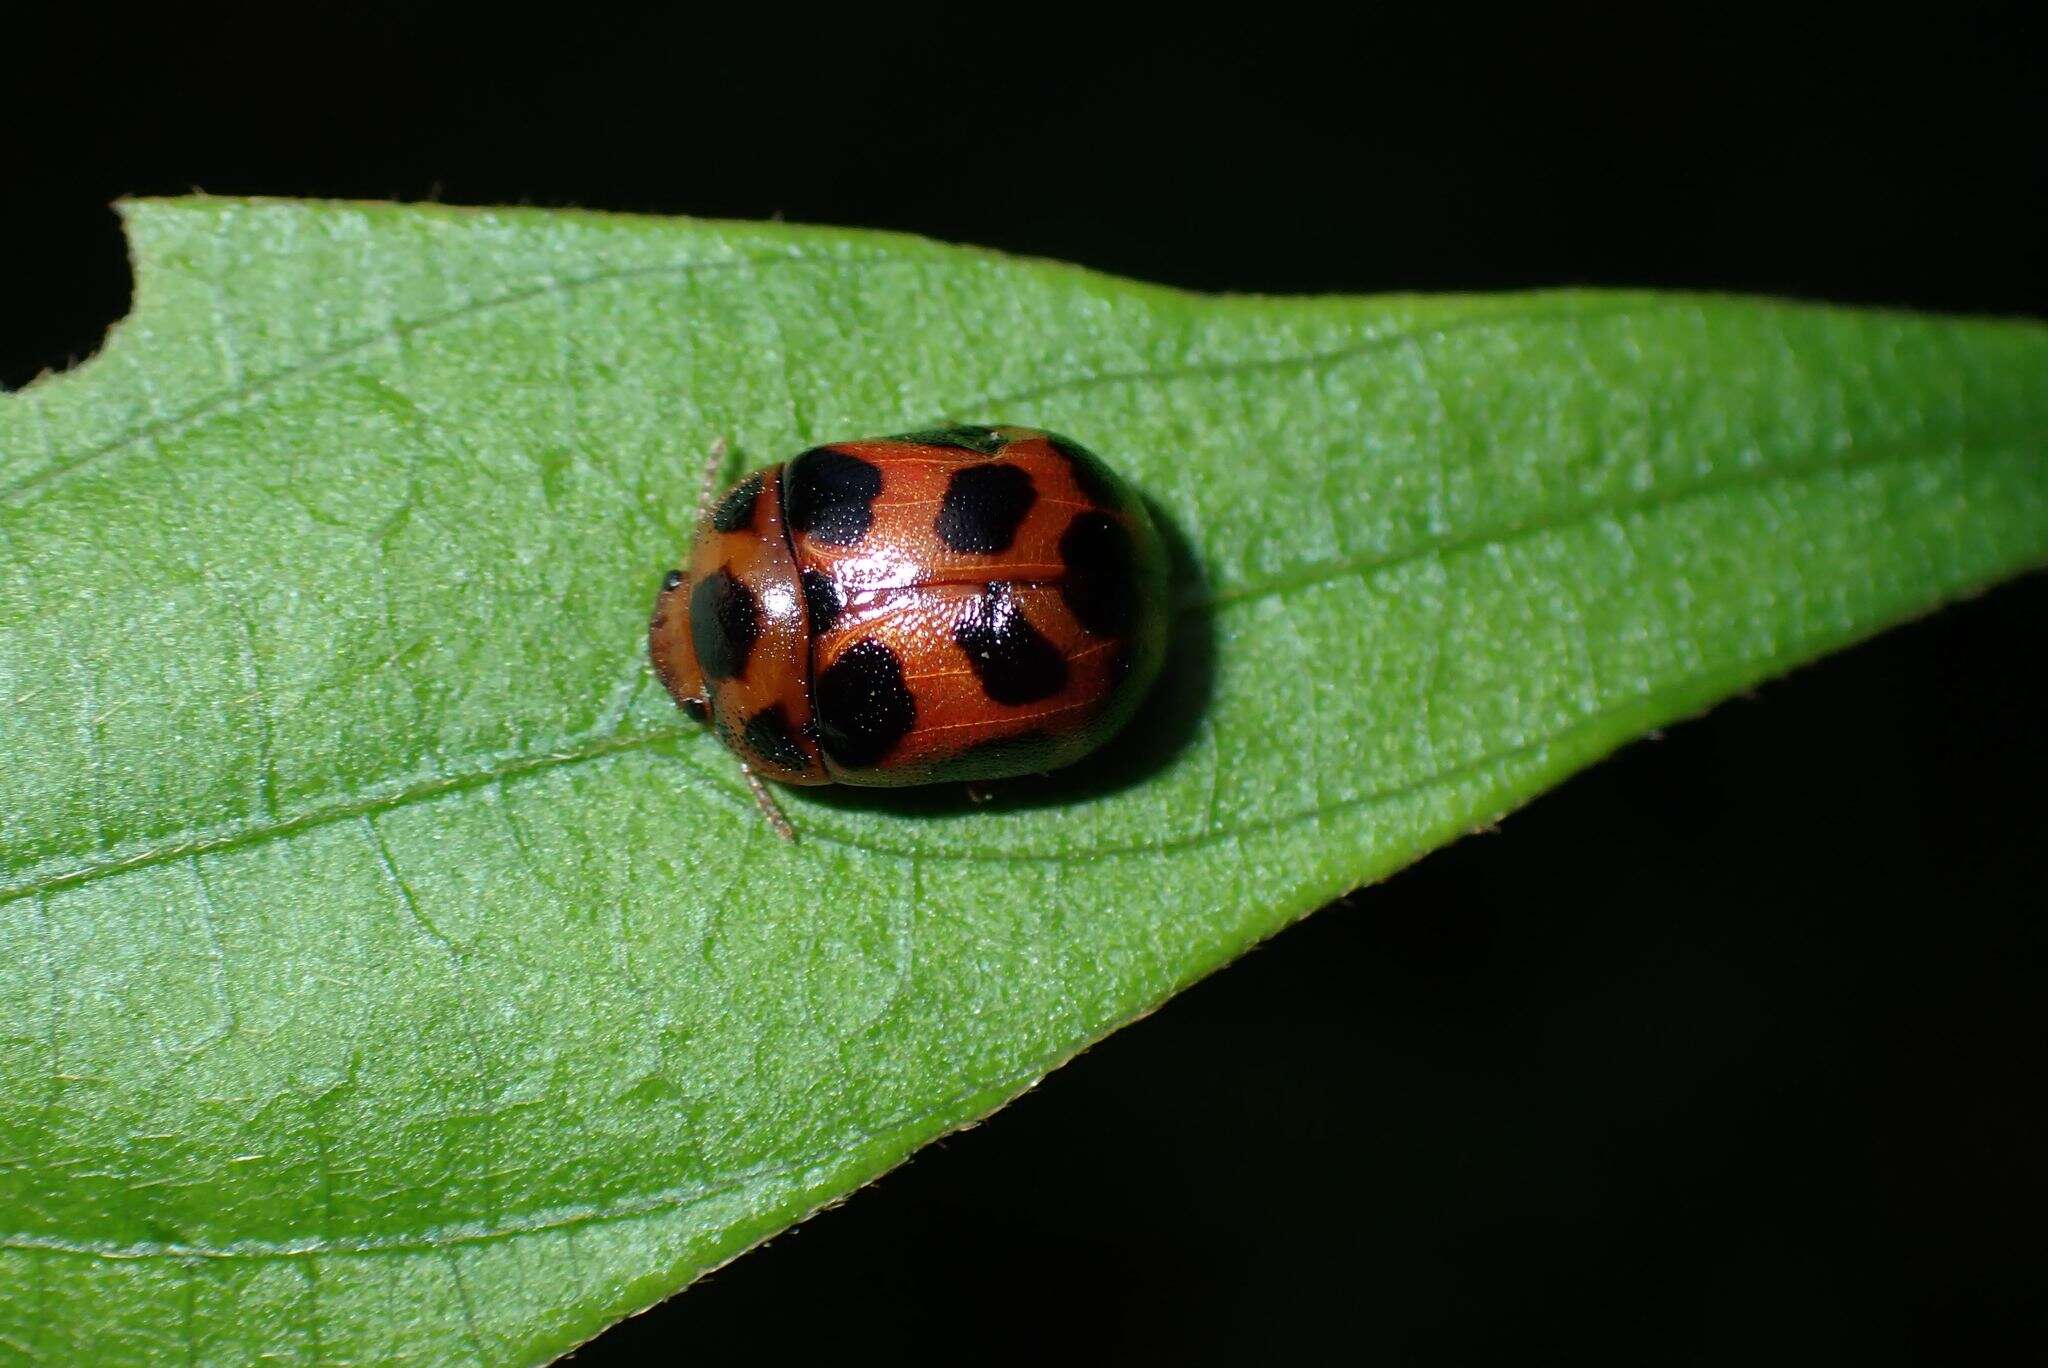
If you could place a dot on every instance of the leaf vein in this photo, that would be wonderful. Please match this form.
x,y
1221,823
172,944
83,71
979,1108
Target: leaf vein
x,y
227,400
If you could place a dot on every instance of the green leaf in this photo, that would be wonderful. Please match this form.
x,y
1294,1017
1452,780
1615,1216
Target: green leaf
x,y
389,969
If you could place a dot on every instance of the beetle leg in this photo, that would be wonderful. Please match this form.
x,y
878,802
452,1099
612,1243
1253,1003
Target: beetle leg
x,y
979,793
708,489
769,807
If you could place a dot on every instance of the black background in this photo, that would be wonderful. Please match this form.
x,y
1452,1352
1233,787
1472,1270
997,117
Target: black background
x,y
1730,1049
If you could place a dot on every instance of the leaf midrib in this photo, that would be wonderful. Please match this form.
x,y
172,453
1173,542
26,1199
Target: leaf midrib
x,y
526,763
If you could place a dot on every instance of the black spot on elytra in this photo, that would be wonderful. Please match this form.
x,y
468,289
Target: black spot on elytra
x,y
983,441
736,510
863,707
821,601
1100,586
1011,658
672,581
1094,479
984,506
725,622
769,736
830,495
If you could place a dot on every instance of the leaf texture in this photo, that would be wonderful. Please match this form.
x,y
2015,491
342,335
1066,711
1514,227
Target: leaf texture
x,y
388,970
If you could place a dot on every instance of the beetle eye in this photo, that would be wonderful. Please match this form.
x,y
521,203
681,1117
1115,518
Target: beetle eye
x,y
695,708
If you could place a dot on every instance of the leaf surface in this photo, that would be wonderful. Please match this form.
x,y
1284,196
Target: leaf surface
x,y
387,969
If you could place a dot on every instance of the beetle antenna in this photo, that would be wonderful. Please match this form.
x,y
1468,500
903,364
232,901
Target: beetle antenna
x,y
769,807
714,463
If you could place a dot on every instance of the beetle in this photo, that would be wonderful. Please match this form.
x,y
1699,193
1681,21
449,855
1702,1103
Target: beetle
x,y
968,603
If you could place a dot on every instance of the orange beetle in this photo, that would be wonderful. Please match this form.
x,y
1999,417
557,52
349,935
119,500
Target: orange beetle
x,y
969,603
